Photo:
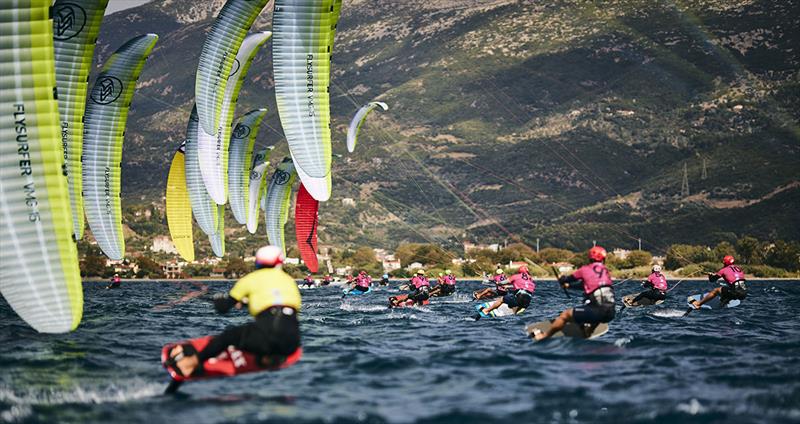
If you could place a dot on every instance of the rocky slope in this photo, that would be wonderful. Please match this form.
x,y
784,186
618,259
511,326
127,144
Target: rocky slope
x,y
568,122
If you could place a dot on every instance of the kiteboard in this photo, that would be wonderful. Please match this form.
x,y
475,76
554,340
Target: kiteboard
x,y
229,363
502,311
439,293
354,292
714,303
405,302
574,330
628,301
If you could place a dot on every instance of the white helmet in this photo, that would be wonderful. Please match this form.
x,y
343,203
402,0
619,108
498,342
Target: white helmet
x,y
269,257
656,268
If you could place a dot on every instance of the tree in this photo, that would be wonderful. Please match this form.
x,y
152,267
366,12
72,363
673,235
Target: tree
x,y
236,268
477,268
93,265
784,255
432,256
720,251
364,258
197,270
680,255
515,252
148,268
750,251
639,258
406,251
551,255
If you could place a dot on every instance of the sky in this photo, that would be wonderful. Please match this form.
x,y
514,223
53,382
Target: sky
x,y
117,5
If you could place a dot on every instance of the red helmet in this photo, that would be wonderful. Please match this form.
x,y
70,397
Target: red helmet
x,y
524,269
597,254
728,260
269,257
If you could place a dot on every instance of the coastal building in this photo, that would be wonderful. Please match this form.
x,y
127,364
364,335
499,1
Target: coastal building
x,y
563,267
173,269
413,266
390,263
469,246
163,244
122,266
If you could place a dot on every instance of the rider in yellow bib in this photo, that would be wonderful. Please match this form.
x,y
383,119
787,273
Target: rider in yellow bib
x,y
272,298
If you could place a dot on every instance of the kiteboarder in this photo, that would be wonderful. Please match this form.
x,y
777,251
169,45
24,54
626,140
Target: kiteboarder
x,y
421,290
656,284
595,280
327,280
446,286
500,289
362,282
308,281
385,280
272,298
734,285
115,282
520,295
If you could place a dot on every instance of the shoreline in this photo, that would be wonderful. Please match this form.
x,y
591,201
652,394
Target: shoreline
x,y
225,280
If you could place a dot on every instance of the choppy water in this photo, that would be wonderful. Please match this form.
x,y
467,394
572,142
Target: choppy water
x,y
365,363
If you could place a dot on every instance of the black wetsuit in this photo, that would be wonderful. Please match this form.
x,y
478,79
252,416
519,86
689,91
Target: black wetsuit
x,y
274,335
652,293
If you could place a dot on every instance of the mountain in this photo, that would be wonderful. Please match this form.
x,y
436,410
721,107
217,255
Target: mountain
x,y
513,120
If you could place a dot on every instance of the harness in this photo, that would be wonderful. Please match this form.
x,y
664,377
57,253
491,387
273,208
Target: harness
x,y
602,296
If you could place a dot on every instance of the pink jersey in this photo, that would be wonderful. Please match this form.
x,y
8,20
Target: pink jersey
x,y
420,282
363,281
523,281
731,274
594,276
499,279
658,281
449,280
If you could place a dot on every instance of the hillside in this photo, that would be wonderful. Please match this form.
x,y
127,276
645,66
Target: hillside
x,y
568,122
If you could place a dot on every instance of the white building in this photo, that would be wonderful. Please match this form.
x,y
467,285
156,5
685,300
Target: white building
x,y
163,244
413,266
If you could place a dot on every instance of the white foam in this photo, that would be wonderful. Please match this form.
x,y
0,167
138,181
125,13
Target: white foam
x,y
692,408
669,313
131,390
361,308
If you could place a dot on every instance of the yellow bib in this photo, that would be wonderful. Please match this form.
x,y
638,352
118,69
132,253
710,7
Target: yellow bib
x,y
265,288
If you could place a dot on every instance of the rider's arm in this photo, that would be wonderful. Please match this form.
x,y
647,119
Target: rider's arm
x,y
223,303
714,277
571,282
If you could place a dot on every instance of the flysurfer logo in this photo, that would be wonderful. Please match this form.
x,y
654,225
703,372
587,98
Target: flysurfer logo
x,y
234,68
310,83
241,131
106,90
281,177
68,21
255,175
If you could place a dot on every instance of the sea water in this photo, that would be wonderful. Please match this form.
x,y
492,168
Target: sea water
x,y
366,363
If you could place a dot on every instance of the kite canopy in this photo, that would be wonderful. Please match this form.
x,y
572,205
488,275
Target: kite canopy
x,y
240,158
358,121
213,146
104,131
218,57
306,218
39,276
76,24
302,45
179,208
277,200
203,208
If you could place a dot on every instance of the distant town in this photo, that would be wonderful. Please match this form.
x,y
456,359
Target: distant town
x,y
760,259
